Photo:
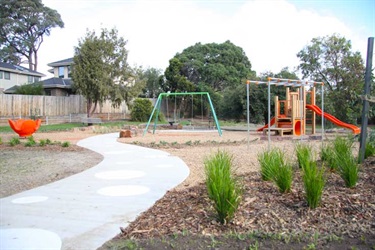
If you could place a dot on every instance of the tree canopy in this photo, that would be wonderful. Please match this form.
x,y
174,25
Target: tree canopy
x,y
215,65
23,24
330,59
100,70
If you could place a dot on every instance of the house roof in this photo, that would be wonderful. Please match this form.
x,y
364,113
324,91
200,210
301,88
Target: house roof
x,y
19,69
51,83
65,62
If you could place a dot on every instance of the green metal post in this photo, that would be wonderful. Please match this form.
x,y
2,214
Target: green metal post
x,y
152,114
214,114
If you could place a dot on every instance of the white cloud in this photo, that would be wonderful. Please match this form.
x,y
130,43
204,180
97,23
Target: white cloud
x,y
270,32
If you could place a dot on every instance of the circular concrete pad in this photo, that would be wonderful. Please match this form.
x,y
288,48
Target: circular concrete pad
x,y
119,174
123,190
29,238
118,152
29,199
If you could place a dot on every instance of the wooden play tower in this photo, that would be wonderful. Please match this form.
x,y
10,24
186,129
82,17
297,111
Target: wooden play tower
x,y
291,113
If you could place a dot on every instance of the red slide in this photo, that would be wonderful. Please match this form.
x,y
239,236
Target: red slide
x,y
266,126
333,119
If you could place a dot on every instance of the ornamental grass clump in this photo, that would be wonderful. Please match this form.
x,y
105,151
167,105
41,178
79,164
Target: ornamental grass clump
x,y
283,175
313,182
328,155
223,188
268,161
347,165
304,154
348,170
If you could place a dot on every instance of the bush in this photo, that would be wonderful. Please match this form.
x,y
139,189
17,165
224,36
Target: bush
x,y
313,181
30,142
65,144
369,149
141,110
268,161
42,143
304,154
223,188
348,169
14,141
328,156
284,177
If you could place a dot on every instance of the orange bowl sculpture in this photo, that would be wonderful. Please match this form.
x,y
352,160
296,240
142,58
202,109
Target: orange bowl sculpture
x,y
25,127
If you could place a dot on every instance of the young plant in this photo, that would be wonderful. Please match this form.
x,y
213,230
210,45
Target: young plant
x,y
65,144
1,141
223,188
369,149
284,176
328,155
30,142
268,161
42,143
313,182
14,141
304,154
348,169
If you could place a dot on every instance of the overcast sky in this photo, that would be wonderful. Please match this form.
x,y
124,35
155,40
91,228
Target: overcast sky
x,y
271,32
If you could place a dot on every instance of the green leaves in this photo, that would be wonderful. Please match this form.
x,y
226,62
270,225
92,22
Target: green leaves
x,y
100,68
22,27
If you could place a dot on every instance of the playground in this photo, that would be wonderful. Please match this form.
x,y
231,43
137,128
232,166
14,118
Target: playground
x,y
193,148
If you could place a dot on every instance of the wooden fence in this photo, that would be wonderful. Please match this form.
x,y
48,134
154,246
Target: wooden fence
x,y
19,106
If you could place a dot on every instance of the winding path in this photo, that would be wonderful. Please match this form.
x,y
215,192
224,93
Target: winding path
x,y
85,210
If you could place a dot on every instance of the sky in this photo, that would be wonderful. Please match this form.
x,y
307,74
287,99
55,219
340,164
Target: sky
x,y
271,32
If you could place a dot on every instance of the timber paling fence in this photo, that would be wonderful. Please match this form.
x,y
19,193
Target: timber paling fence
x,y
55,109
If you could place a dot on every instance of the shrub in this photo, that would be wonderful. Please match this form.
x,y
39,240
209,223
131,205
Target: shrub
x,y
328,155
14,141
65,144
223,188
42,143
284,177
142,109
30,142
348,169
313,181
268,160
369,149
304,154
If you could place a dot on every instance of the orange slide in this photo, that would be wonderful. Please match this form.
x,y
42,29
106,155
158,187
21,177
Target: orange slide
x,y
266,126
333,119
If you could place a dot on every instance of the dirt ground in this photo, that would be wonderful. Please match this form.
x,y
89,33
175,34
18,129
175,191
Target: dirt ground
x,y
345,214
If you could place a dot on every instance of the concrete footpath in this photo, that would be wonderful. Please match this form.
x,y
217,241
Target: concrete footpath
x,y
85,210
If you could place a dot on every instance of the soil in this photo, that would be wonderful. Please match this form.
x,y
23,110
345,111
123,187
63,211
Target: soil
x,y
184,218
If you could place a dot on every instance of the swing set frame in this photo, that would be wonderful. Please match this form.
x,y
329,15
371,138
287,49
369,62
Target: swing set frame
x,y
158,106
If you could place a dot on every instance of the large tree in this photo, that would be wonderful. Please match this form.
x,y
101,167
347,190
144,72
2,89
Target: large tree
x,y
100,70
215,65
23,24
330,59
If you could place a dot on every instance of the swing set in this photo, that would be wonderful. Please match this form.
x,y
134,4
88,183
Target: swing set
x,y
179,110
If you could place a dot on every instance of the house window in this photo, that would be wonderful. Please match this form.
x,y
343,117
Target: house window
x,y
1,74
6,75
69,72
48,92
29,79
61,72
36,79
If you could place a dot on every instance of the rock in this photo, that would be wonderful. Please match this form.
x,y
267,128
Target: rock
x,y
125,134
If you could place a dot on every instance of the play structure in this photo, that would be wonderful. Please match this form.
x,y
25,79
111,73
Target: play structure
x,y
182,108
294,114
25,128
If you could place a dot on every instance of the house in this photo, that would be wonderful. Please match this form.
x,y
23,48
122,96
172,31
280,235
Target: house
x,y
60,84
14,75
